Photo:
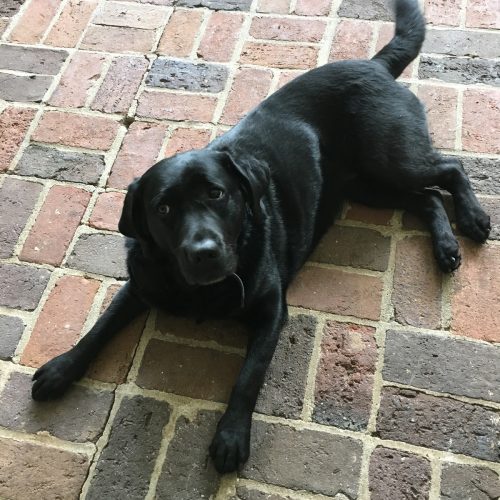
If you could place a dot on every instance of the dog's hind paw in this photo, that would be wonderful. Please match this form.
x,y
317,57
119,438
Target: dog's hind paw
x,y
475,224
447,253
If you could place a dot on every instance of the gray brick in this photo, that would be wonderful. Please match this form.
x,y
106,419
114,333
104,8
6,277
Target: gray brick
x,y
375,10
127,461
23,88
101,254
304,459
11,329
216,4
22,286
439,423
484,174
17,199
175,74
443,364
31,60
492,208
188,471
246,493
51,163
468,482
9,8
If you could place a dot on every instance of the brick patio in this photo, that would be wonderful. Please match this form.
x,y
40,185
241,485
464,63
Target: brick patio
x,y
386,382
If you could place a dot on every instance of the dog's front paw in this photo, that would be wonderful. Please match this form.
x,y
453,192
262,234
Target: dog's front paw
x,y
475,224
230,447
447,253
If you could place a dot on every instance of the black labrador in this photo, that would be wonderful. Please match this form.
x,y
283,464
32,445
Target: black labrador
x,y
223,230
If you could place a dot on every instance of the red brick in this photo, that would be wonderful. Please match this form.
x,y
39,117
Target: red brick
x,y
179,35
475,302
385,35
443,12
282,28
279,56
184,139
441,107
76,130
34,21
107,211
362,213
482,14
338,292
249,88
287,76
14,123
481,126
131,15
352,40
61,320
220,37
71,23
274,6
78,78
138,152
177,107
55,225
118,39
312,7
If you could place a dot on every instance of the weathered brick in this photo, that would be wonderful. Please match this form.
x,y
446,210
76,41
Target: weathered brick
x,y
443,364
80,416
439,423
120,85
126,463
34,21
312,7
286,76
76,130
249,87
279,56
362,213
61,320
373,10
147,17
483,174
273,6
398,474
416,294
352,40
385,35
179,35
188,471
469,482
285,29
101,254
217,4
55,225
4,22
482,14
107,211
282,393
344,381
185,75
443,12
338,292
51,163
11,329
32,60
318,461
118,39
138,152
461,43
17,199
23,88
476,292
250,493
492,208
22,286
185,139
220,37
29,470
196,372
9,8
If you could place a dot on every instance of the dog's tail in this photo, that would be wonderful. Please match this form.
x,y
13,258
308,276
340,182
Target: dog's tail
x,y
407,41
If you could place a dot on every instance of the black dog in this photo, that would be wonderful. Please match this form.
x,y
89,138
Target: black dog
x,y
222,231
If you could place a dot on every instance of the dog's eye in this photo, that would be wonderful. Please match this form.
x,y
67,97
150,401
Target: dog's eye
x,y
163,209
216,193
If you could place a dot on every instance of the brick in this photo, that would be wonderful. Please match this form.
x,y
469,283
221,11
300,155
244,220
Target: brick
x,y
9,8
77,80
352,40
127,462
147,17
80,416
441,108
11,330
286,76
279,56
176,107
17,199
337,292
461,43
312,7
483,174
250,86
14,123
118,39
52,163
443,364
362,213
482,14
475,298
23,88
32,60
492,208
464,482
29,470
318,461
442,12
100,254
107,211
286,29
180,34
70,129
480,128
188,452
4,22
55,225
273,6
282,393
440,423
398,474
73,20
373,10
220,37
354,246
344,380
217,4
138,152
250,493
195,372
185,139
185,75
416,294
61,320
385,35
34,21
22,286
120,85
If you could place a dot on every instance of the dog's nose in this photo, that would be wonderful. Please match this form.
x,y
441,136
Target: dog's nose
x,y
203,251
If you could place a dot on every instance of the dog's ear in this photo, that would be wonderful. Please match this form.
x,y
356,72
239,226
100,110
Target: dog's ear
x,y
132,223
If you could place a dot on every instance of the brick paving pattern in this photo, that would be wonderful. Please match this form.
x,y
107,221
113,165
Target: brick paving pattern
x,y
385,383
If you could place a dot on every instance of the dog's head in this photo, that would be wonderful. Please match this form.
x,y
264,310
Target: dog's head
x,y
191,207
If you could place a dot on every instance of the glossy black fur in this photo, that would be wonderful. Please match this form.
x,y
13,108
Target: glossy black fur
x,y
344,130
